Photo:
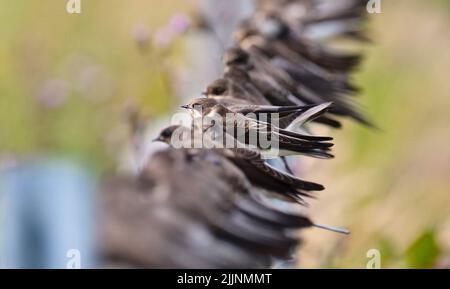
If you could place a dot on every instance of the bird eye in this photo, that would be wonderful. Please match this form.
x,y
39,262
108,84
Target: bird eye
x,y
218,90
196,107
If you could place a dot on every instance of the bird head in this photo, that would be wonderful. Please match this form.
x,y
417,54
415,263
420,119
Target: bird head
x,y
235,56
200,104
165,135
217,88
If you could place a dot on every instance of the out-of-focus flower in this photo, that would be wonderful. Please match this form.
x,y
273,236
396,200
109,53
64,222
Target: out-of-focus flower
x,y
95,83
163,37
179,23
53,93
141,34
443,263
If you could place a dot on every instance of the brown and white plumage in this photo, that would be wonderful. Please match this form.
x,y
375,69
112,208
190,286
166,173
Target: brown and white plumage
x,y
203,208
192,208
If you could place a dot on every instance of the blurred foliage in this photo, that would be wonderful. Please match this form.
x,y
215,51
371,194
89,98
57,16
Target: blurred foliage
x,y
424,251
390,185
66,80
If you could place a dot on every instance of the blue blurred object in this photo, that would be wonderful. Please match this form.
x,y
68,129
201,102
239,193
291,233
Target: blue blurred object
x,y
48,216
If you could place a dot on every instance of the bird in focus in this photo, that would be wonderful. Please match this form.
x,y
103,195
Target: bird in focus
x,y
203,204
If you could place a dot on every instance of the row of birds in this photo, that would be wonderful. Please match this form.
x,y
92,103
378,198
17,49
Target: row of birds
x,y
214,208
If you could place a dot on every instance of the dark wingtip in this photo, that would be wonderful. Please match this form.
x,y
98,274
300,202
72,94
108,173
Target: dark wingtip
x,y
309,186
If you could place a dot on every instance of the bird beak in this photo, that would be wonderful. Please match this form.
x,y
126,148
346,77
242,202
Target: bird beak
x,y
157,139
185,106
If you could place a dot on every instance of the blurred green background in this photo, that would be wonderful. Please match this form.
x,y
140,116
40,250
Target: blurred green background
x,y
391,187
66,82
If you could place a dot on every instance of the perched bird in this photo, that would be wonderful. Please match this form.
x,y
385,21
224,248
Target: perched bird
x,y
306,81
270,86
255,168
272,140
285,116
319,73
204,204
218,221
236,84
275,83
287,41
